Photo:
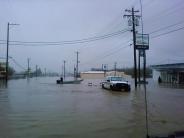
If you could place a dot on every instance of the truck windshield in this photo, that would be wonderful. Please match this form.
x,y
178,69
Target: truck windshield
x,y
117,79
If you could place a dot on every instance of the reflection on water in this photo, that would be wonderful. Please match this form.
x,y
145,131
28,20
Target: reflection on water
x,y
175,86
39,108
3,84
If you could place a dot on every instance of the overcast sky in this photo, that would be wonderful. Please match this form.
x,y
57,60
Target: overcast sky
x,y
66,20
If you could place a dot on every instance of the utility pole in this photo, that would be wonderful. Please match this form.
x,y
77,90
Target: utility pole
x,y
28,68
133,16
77,65
45,71
7,50
64,69
115,63
74,69
105,69
36,71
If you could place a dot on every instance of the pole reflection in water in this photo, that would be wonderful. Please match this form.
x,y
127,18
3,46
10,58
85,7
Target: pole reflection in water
x,y
3,84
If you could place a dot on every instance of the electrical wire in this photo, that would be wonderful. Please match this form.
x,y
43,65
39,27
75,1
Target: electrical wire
x,y
166,27
107,55
111,26
110,50
14,61
165,12
17,64
85,40
175,30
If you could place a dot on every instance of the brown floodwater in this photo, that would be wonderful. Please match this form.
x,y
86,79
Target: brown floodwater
x,y
40,108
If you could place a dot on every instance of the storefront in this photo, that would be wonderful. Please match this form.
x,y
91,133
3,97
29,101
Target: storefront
x,y
169,73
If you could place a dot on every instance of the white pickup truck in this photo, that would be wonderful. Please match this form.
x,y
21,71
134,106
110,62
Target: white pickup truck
x,y
116,83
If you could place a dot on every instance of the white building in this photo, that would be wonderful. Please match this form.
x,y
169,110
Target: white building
x,y
100,74
169,73
92,75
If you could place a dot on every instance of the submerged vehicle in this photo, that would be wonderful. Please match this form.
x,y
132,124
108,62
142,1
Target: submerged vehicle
x,y
116,83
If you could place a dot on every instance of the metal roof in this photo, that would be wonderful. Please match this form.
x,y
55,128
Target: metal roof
x,y
173,66
93,72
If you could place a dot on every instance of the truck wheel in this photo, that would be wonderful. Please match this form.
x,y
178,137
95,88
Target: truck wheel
x,y
127,89
111,87
103,86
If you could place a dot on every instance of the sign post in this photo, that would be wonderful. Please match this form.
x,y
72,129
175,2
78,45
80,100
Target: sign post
x,y
142,41
142,44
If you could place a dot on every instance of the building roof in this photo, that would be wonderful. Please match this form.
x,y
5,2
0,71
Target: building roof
x,y
93,72
99,72
176,66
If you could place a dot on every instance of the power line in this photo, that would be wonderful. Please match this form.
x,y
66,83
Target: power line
x,y
17,63
166,27
115,52
146,5
111,26
166,11
107,55
181,28
136,2
110,50
85,40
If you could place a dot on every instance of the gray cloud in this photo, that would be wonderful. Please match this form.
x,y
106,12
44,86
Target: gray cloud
x,y
59,20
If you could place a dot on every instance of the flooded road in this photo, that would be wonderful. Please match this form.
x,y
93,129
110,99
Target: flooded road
x,y
39,108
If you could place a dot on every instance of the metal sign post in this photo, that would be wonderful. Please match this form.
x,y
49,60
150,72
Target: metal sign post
x,y
142,41
142,44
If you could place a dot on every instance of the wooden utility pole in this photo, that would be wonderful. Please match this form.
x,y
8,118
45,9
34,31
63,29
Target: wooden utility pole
x,y
7,52
45,71
134,41
74,71
64,69
105,66
28,68
36,71
77,65
132,18
62,74
115,63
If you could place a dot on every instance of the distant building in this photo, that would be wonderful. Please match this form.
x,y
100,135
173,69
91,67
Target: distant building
x,y
115,73
92,75
100,74
2,69
169,73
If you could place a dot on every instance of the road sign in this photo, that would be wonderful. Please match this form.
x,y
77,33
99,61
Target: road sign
x,y
142,41
104,66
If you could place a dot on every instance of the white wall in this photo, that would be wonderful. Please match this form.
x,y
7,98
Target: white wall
x,y
156,74
92,75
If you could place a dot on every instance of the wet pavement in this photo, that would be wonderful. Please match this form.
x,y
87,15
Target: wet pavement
x,y
40,108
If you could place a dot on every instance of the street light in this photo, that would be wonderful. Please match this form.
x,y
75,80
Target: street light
x,y
8,49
